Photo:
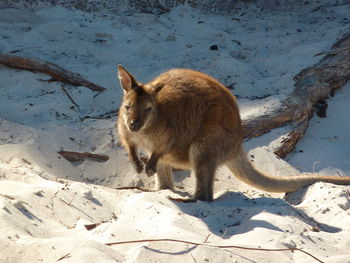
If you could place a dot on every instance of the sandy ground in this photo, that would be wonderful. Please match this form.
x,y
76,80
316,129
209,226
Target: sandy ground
x,y
56,211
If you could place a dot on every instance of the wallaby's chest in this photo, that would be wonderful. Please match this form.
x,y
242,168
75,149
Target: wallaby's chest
x,y
150,141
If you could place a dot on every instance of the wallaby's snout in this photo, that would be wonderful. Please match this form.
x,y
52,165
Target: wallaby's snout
x,y
136,112
134,125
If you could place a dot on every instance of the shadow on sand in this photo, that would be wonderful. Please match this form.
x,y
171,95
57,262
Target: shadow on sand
x,y
234,213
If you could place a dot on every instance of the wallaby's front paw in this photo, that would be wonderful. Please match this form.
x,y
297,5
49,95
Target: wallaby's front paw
x,y
138,166
150,169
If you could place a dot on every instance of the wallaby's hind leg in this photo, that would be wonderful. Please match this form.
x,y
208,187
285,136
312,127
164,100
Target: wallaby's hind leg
x,y
204,167
204,173
164,177
205,155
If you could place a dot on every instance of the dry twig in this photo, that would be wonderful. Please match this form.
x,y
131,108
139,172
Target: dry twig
x,y
215,246
64,257
69,96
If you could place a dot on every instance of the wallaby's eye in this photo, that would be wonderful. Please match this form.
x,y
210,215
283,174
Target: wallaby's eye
x,y
127,106
148,109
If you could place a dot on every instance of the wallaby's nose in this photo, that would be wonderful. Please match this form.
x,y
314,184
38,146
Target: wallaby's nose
x,y
134,125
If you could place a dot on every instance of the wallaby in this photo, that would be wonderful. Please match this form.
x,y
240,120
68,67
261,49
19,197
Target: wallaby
x,y
187,119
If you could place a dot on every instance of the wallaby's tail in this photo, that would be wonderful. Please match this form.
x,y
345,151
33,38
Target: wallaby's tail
x,y
242,168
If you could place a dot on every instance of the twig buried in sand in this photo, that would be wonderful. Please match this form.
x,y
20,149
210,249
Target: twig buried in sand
x,y
214,246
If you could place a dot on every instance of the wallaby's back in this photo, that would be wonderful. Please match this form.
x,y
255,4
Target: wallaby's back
x,y
189,101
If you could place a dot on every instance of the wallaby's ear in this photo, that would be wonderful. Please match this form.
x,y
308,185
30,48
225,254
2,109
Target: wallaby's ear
x,y
127,81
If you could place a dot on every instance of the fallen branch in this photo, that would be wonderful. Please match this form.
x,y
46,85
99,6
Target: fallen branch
x,y
311,86
57,73
78,156
214,246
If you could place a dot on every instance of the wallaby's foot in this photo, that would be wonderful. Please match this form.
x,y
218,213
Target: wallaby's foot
x,y
164,182
164,177
151,168
151,165
137,165
204,196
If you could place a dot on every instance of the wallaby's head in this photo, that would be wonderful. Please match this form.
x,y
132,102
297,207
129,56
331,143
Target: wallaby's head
x,y
139,107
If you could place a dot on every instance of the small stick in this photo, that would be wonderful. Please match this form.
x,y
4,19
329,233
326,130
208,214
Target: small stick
x,y
64,257
206,239
200,244
69,96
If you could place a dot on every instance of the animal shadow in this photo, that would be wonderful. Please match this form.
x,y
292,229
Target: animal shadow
x,y
235,213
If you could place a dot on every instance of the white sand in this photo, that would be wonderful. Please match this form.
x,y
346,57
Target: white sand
x,y
46,201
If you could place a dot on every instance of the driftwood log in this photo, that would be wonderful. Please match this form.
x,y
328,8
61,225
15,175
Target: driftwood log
x,y
312,85
56,72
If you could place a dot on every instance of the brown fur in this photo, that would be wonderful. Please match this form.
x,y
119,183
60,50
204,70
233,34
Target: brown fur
x,y
187,119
